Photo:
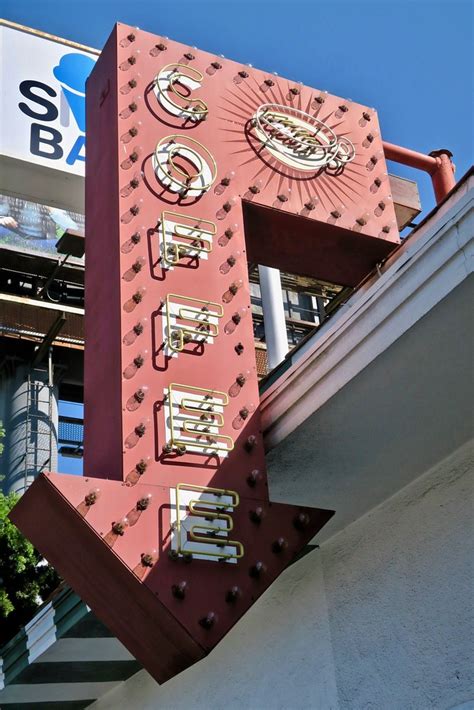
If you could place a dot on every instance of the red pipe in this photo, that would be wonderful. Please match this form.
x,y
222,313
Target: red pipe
x,y
438,164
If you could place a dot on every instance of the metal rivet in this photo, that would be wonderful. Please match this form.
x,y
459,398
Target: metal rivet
x,y
257,570
179,590
251,443
301,521
239,348
233,594
209,620
257,515
279,545
253,477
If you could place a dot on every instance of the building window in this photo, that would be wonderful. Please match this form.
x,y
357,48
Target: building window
x,y
71,437
305,301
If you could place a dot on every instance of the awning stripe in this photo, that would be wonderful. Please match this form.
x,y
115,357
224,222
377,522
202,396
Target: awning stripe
x,y
63,658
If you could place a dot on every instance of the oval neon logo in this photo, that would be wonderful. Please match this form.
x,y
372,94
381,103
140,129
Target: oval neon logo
x,y
300,140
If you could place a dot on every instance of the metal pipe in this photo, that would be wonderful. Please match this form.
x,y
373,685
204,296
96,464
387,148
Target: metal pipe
x,y
438,164
273,315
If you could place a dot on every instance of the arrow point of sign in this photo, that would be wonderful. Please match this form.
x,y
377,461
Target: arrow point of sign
x,y
113,544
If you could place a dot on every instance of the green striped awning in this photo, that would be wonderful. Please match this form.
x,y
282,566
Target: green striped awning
x,y
63,659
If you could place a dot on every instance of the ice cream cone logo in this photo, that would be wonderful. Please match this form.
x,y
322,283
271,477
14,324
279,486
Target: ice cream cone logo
x,y
72,72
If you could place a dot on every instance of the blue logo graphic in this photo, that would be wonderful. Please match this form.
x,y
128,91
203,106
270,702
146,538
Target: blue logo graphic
x,y
72,72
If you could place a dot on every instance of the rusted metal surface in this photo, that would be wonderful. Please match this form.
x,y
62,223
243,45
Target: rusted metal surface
x,y
172,536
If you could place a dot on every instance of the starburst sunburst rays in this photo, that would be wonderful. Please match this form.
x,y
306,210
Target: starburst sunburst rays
x,y
237,108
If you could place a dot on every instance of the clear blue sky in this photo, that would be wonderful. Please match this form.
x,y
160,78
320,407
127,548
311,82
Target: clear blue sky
x,y
410,59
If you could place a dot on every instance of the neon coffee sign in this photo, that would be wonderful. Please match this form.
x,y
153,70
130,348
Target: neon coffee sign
x,y
300,140
171,536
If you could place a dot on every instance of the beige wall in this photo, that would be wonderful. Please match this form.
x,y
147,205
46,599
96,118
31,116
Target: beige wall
x,y
381,618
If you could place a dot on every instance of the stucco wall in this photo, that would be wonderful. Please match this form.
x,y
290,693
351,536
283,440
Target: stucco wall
x,y
381,618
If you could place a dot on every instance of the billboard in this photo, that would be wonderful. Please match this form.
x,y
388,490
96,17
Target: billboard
x,y
43,99
31,227
197,166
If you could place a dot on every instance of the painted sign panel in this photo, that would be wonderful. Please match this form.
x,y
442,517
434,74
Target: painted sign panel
x,y
196,166
43,100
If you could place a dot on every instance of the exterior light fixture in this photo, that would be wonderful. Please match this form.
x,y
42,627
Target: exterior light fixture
x,y
236,317
131,133
226,208
126,41
157,49
119,527
131,158
130,61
